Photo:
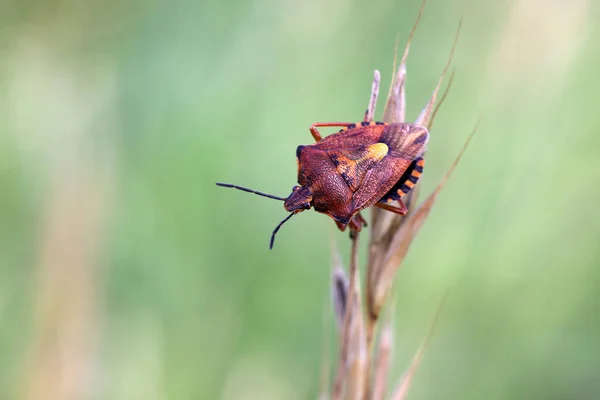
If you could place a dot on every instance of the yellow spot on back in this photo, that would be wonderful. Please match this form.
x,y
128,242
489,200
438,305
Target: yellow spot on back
x,y
401,193
409,184
377,151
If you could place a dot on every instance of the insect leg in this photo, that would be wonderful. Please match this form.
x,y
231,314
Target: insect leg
x,y
356,224
315,132
359,220
341,227
402,210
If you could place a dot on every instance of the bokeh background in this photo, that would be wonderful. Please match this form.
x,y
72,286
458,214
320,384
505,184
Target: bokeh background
x,y
125,273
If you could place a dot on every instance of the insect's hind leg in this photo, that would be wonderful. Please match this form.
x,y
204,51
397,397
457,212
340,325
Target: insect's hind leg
x,y
402,210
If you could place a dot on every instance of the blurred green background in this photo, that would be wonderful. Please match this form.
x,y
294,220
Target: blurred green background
x,y
125,273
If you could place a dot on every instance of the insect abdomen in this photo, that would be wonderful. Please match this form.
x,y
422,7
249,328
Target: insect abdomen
x,y
407,181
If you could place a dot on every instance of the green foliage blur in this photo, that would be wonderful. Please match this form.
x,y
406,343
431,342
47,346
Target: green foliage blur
x,y
124,269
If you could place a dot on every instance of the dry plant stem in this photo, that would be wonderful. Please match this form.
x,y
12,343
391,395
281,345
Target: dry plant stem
x,y
442,99
370,114
406,380
339,295
402,70
374,95
324,389
67,285
394,64
382,223
346,299
412,32
403,238
383,362
338,384
340,288
357,351
424,117
362,369
339,283
395,109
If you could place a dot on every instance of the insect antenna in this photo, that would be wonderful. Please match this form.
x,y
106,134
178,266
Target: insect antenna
x,y
277,230
229,185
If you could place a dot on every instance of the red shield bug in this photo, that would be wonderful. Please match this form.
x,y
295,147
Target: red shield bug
x,y
364,164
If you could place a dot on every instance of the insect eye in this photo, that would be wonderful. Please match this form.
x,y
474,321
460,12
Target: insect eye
x,y
295,188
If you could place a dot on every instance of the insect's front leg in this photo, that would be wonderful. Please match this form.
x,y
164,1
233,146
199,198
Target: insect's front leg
x,y
317,135
359,220
356,224
341,227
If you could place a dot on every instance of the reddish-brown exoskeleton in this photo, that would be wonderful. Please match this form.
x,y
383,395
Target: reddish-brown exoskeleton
x,y
364,164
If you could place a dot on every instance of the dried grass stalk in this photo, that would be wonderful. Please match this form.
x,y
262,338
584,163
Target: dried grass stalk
x,y
382,364
387,227
406,380
352,343
362,368
339,285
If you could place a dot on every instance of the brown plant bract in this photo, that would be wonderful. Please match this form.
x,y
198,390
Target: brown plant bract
x,y
389,243
362,368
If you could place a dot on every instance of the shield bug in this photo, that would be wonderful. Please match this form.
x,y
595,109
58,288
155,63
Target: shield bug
x,y
364,164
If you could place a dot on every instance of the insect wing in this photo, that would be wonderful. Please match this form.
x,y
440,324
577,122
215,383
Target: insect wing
x,y
406,142
352,138
353,164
